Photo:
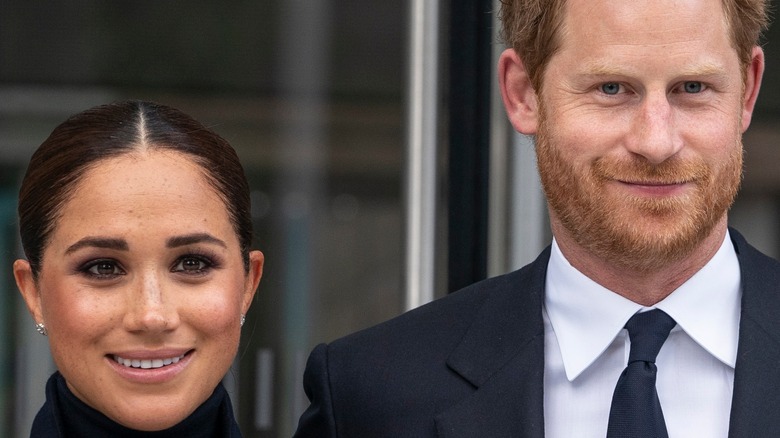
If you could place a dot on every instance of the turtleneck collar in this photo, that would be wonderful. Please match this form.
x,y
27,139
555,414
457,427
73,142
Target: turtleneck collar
x,y
64,415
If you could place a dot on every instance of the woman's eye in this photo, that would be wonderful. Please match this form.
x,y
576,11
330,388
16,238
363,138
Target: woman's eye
x,y
191,265
610,88
104,269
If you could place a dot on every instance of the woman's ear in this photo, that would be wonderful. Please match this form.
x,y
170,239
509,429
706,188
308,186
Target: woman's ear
x,y
519,96
29,289
256,261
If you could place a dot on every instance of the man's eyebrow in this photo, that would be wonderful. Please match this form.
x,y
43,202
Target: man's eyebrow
x,y
607,69
189,239
98,242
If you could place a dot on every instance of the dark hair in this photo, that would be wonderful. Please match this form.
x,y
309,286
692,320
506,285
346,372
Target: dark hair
x,y
106,131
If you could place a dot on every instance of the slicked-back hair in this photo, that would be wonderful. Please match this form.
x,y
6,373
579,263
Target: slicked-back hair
x,y
106,131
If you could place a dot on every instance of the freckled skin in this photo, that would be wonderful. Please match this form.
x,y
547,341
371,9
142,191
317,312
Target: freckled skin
x,y
638,124
143,199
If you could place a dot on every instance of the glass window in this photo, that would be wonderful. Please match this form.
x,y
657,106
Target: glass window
x,y
309,93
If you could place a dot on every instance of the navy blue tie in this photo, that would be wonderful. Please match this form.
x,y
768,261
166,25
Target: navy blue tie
x,y
636,411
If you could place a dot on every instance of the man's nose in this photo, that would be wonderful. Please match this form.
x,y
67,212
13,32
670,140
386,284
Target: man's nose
x,y
655,134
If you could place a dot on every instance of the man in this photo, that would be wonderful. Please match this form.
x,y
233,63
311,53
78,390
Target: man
x,y
638,108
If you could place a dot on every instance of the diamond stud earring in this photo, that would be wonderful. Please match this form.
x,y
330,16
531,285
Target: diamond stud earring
x,y
41,328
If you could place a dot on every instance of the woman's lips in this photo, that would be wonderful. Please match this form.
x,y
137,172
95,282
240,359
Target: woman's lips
x,y
147,363
149,367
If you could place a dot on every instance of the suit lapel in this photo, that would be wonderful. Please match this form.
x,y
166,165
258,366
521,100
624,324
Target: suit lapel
x,y
502,355
757,372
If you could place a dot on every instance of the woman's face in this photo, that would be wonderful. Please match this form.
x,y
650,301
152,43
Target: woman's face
x,y
142,287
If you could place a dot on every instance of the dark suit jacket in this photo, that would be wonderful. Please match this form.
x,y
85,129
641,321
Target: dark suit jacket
x,y
472,364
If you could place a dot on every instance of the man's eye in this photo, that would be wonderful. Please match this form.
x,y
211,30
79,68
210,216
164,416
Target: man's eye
x,y
693,87
610,88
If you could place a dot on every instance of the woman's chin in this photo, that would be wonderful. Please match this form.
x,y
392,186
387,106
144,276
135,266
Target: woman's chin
x,y
152,418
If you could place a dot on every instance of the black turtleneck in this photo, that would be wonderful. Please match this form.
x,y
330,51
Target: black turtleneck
x,y
64,416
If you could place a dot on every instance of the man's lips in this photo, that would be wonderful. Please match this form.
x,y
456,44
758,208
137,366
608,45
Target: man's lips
x,y
651,183
656,187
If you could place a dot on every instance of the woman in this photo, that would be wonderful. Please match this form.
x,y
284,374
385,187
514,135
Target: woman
x,y
135,222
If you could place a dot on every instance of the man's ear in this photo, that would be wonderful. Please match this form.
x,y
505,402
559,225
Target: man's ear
x,y
519,96
29,289
753,75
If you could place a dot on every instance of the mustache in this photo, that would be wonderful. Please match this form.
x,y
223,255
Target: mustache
x,y
640,171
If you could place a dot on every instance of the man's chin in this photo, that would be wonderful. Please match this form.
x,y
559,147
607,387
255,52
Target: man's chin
x,y
647,242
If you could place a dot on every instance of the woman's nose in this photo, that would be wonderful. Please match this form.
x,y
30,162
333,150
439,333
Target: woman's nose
x,y
150,308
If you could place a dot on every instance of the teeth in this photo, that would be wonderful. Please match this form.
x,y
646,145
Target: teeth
x,y
147,363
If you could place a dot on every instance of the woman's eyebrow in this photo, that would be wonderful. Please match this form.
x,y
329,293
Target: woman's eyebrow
x,y
189,239
98,242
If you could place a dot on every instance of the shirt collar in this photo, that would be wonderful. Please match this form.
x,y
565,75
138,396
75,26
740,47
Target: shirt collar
x,y
586,317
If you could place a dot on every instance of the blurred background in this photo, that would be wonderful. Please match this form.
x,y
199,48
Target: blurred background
x,y
383,171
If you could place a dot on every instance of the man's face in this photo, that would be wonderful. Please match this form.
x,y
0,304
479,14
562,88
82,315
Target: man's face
x,y
639,136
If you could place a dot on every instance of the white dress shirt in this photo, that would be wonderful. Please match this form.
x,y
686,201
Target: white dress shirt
x,y
586,349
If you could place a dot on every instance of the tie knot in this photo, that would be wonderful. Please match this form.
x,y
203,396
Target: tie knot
x,y
648,332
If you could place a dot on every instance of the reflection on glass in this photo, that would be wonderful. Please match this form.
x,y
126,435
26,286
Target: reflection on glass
x,y
309,94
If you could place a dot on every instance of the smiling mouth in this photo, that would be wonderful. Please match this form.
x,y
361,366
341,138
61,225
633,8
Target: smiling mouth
x,y
147,363
653,183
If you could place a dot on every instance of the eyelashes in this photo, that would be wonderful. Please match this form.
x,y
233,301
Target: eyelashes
x,y
615,88
192,263
195,264
101,269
